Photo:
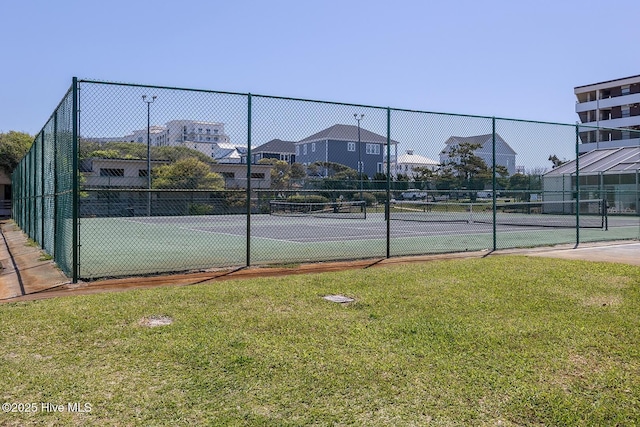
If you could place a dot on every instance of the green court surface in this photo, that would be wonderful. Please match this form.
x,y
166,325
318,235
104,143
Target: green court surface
x,y
111,247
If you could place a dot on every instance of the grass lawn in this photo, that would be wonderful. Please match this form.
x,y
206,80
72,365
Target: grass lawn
x,y
496,341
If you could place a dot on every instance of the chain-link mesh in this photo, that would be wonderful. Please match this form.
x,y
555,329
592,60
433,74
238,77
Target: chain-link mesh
x,y
130,179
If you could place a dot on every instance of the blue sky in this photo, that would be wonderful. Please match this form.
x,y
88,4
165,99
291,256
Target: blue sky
x,y
517,59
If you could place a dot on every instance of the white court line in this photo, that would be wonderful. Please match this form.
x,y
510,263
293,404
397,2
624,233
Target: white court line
x,y
238,235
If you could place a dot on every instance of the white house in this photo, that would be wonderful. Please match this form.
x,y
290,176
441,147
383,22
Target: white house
x,y
408,164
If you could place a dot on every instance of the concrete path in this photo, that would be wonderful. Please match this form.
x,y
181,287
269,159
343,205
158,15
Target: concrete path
x,y
621,252
25,270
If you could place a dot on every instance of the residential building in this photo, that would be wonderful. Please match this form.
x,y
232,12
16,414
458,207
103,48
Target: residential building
x,y
275,149
127,174
5,195
132,173
409,163
207,137
340,144
505,155
613,105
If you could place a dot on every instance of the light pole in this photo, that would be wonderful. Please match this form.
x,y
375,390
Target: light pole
x,y
144,99
359,117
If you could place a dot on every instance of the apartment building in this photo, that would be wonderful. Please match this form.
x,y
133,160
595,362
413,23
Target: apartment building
x,y
613,105
207,137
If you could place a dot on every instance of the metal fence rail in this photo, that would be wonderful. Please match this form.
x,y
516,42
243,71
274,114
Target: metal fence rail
x,y
134,179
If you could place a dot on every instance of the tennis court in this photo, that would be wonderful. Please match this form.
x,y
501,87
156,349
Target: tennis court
x,y
149,245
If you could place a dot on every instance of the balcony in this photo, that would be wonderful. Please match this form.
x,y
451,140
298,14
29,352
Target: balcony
x,y
617,101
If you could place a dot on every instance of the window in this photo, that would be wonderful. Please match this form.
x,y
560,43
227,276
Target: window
x,y
199,130
625,90
626,111
257,175
313,147
228,175
351,146
379,167
304,149
208,131
111,172
297,150
142,173
373,148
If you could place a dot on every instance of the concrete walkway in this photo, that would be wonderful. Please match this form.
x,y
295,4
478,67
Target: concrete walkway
x,y
26,275
25,270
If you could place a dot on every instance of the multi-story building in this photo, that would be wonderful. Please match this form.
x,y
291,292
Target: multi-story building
x,y
274,149
207,137
505,155
614,107
364,151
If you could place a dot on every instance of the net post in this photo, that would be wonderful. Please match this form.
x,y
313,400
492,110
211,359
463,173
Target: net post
x,y
248,244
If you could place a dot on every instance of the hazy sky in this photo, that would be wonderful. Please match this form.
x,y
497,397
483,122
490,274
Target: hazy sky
x,y
515,58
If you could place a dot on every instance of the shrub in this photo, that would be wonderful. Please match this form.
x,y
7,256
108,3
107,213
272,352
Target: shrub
x,y
310,198
200,209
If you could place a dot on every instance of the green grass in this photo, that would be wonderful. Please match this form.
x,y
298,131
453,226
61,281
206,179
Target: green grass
x,y
495,341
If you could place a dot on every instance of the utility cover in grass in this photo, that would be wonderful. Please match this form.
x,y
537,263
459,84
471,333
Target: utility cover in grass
x,y
153,321
338,298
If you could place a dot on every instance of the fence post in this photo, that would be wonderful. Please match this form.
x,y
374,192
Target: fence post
x,y
54,162
42,197
493,182
577,185
387,206
249,180
75,192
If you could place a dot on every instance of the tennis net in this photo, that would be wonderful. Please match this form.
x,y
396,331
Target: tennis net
x,y
560,214
347,210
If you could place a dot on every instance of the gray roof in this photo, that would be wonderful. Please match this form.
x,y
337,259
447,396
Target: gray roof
x,y
608,160
347,133
476,139
275,146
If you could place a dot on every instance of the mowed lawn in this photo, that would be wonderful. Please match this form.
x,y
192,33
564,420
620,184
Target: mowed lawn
x,y
497,341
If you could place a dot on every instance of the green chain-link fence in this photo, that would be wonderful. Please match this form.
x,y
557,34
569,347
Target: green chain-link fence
x,y
132,179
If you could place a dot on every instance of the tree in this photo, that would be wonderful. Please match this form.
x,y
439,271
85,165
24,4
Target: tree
x,y
423,177
297,171
469,170
280,172
13,147
136,150
189,173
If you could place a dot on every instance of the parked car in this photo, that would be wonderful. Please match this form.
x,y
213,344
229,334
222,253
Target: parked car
x,y
414,195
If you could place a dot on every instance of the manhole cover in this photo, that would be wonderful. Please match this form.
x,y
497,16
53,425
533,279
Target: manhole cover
x,y
154,321
338,298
